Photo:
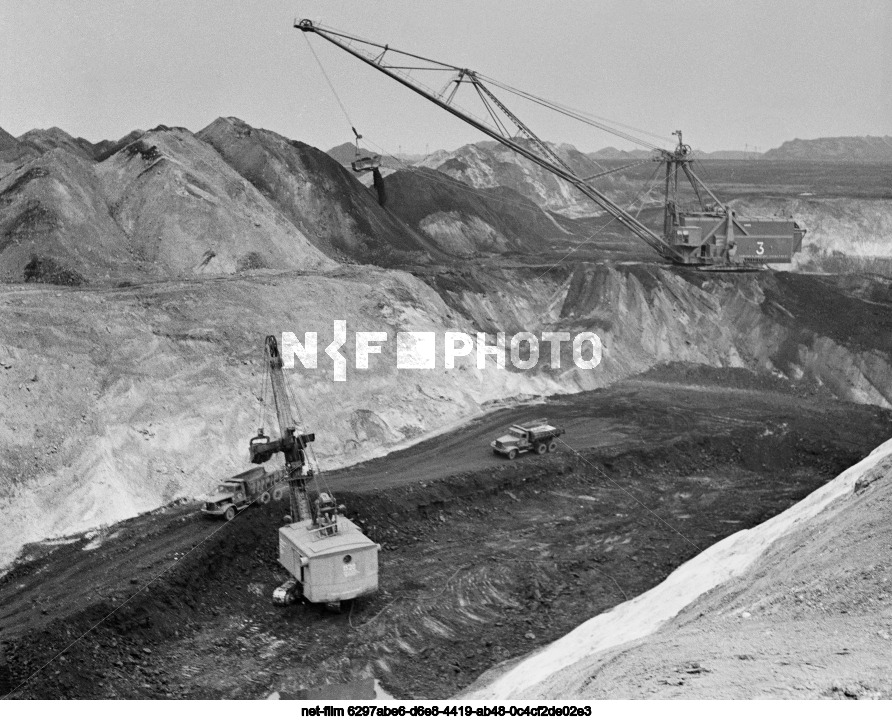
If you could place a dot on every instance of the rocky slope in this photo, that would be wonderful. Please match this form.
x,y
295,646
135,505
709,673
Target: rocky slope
x,y
13,154
188,211
464,221
611,153
797,607
42,140
488,164
320,197
54,208
115,401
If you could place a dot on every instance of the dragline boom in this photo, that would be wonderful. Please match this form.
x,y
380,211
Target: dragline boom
x,y
710,235
626,219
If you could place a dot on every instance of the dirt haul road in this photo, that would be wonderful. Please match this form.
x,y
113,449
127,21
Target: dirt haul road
x,y
483,565
660,406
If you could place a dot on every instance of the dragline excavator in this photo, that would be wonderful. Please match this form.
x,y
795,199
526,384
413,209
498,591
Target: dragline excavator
x,y
706,233
328,558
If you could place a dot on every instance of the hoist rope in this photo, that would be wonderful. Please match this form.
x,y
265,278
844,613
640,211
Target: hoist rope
x,y
569,112
330,84
577,115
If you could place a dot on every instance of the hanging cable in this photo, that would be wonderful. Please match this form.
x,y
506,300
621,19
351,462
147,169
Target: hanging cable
x,y
330,85
260,419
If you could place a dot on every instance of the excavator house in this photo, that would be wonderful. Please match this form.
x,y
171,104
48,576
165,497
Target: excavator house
x,y
332,561
329,559
698,229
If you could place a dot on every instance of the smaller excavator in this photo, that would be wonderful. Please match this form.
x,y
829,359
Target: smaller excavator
x,y
329,559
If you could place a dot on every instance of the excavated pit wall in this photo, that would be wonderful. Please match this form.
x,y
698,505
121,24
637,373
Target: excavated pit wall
x,y
116,402
647,315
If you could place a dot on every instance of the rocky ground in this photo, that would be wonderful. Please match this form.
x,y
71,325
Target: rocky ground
x,y
477,568
799,607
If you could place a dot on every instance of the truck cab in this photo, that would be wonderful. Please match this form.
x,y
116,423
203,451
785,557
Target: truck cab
x,y
235,493
226,501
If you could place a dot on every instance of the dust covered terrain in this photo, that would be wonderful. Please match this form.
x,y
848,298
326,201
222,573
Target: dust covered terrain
x,y
139,277
478,567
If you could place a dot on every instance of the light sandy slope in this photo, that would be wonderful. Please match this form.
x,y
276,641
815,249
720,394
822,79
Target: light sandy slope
x,y
489,165
115,402
798,606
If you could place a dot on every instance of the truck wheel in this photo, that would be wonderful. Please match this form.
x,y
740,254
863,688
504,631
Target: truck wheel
x,y
278,494
552,447
512,454
264,498
541,448
230,513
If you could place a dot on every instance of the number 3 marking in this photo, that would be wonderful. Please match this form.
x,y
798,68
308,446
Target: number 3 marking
x,y
761,250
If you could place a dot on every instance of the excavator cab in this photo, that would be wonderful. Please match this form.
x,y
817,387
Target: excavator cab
x,y
326,514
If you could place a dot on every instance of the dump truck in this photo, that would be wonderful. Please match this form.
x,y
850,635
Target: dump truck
x,y
238,492
537,436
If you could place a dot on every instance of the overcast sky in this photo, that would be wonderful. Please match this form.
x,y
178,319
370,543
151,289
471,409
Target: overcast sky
x,y
747,73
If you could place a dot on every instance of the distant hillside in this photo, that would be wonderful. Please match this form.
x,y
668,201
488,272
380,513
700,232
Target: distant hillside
x,y
861,148
106,148
611,153
488,165
43,140
729,155
13,153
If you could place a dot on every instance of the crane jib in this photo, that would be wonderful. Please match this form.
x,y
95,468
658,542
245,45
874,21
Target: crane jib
x,y
626,219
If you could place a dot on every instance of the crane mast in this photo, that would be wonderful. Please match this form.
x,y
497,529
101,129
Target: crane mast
x,y
291,445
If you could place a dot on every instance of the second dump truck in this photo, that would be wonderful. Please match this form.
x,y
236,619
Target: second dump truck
x,y
536,436
235,493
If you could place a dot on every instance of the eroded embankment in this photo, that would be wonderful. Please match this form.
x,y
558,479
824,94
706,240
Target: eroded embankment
x,y
117,401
